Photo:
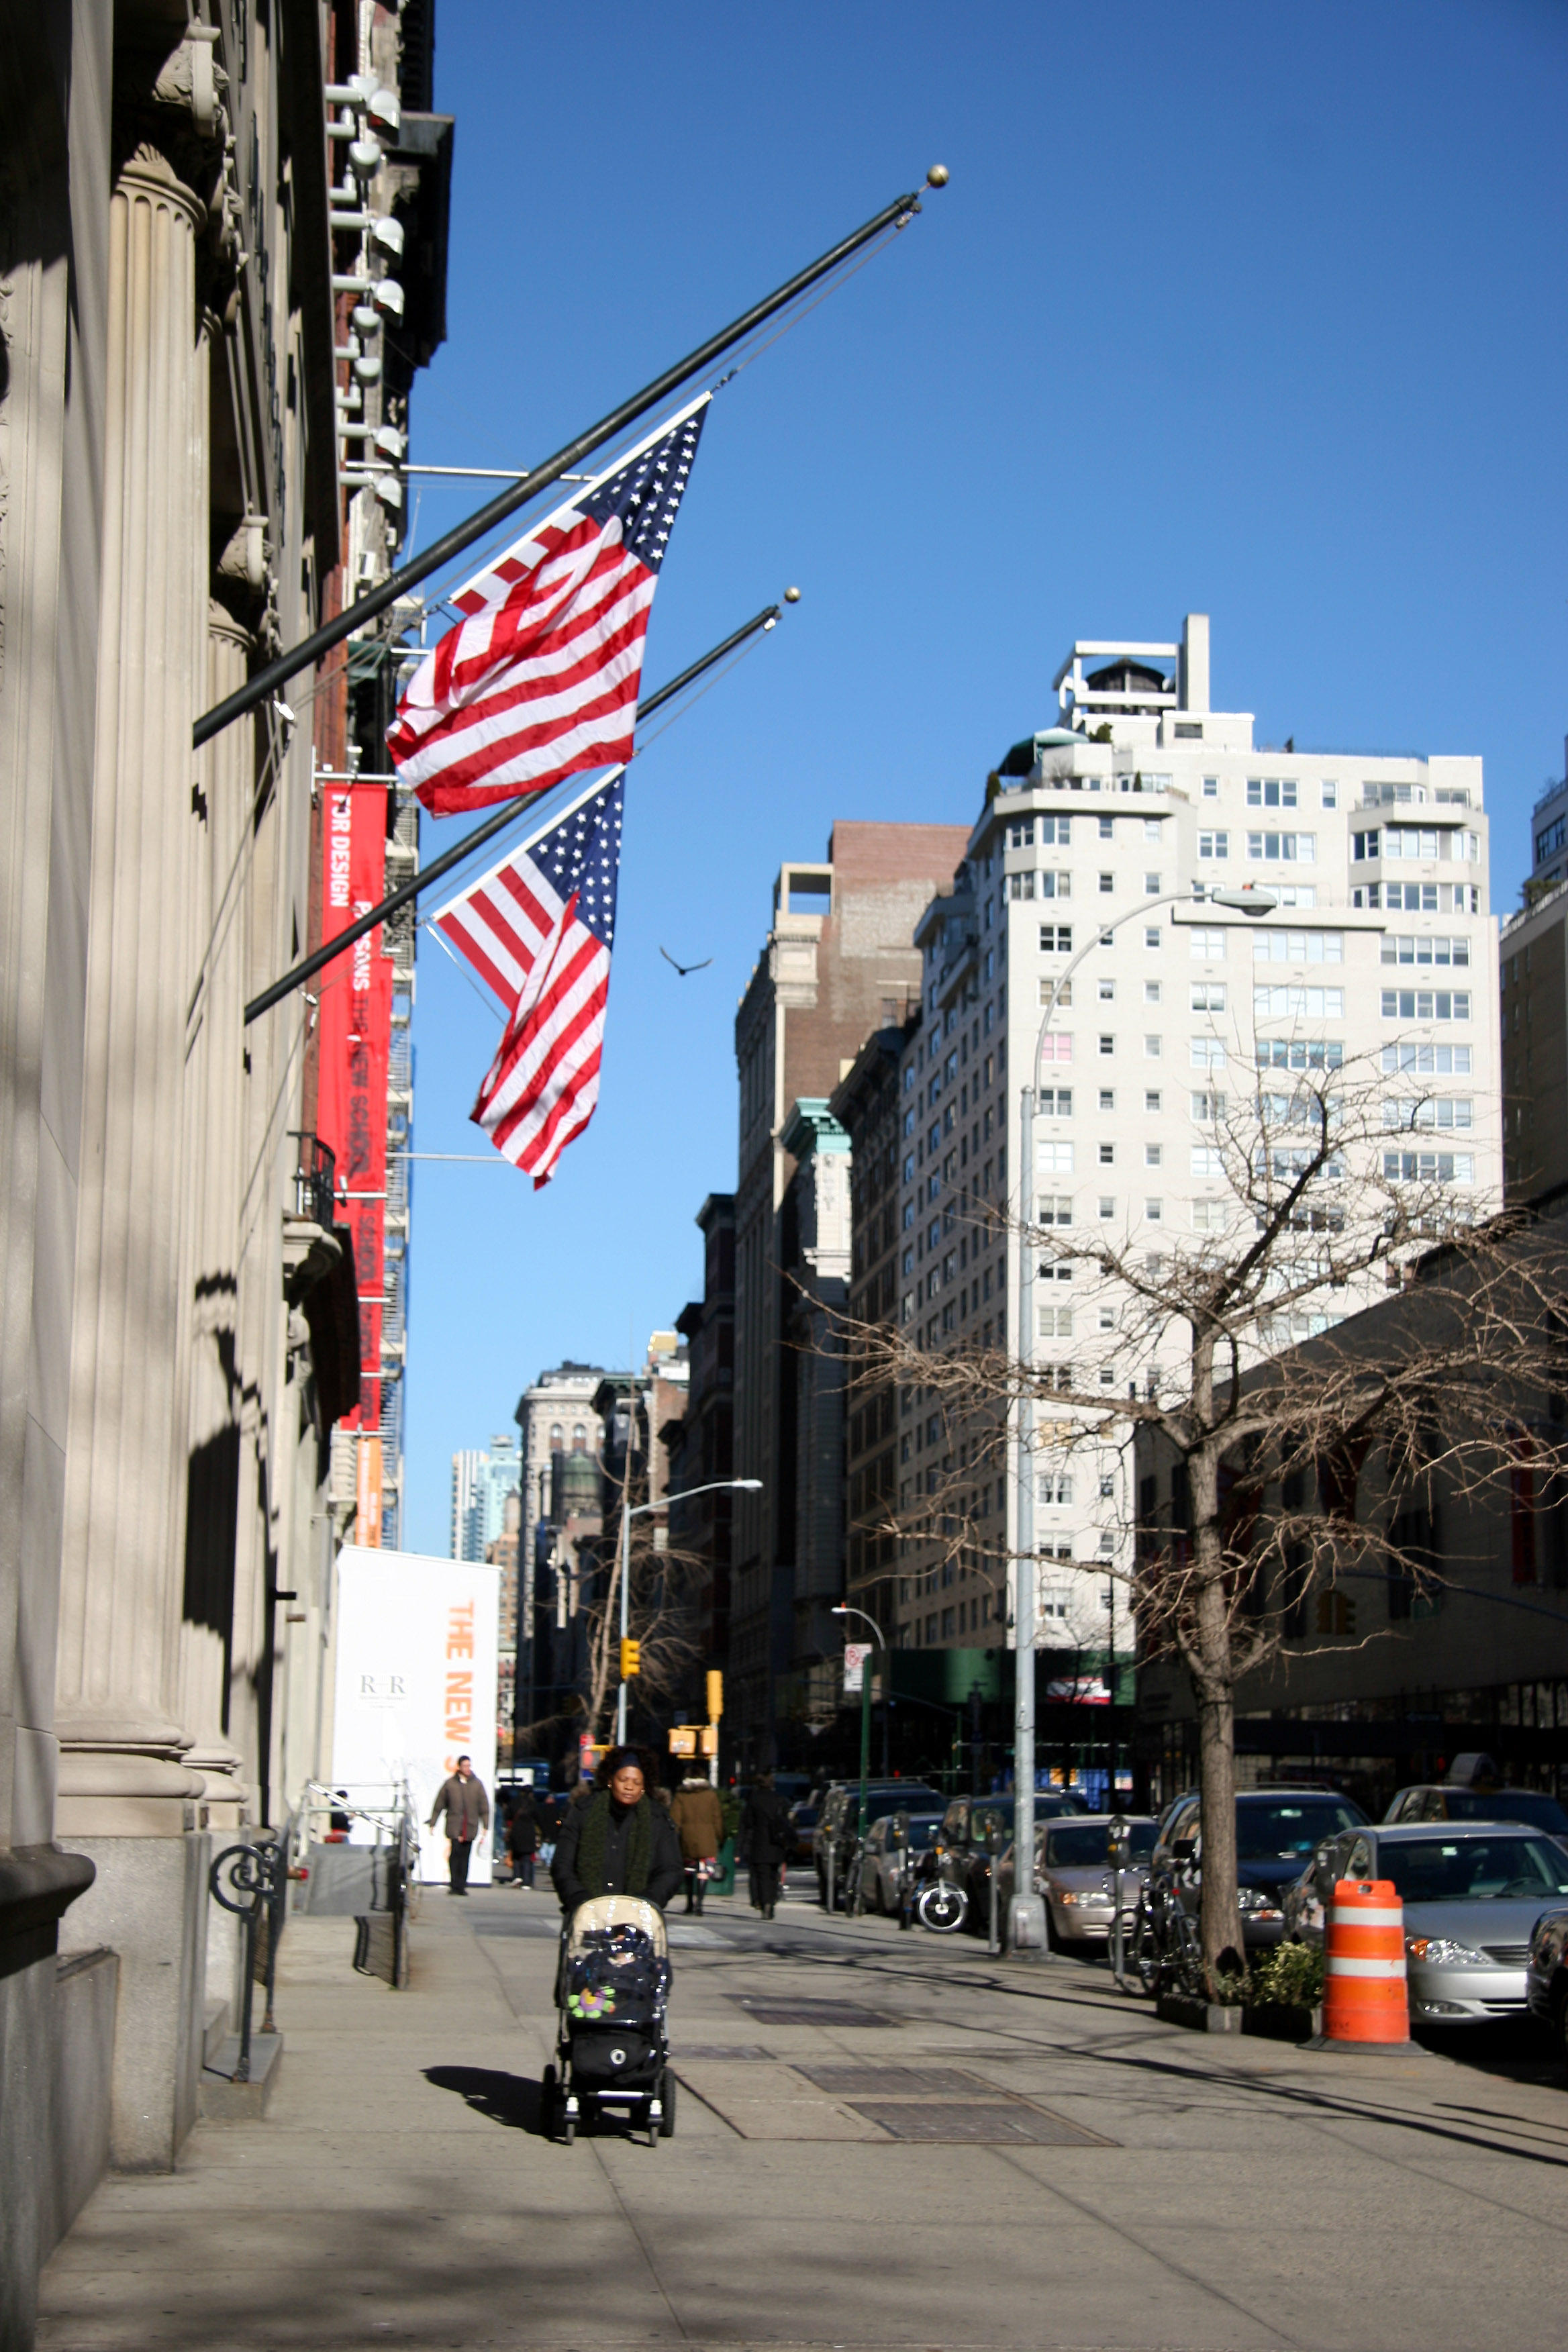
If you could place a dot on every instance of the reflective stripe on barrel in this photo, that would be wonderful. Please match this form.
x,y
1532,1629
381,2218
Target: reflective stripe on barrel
x,y
1363,1985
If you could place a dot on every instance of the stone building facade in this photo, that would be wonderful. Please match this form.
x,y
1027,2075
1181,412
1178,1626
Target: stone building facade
x,y
180,1319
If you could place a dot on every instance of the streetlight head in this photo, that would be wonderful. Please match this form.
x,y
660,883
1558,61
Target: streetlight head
x,y
838,1610
792,596
1247,900
937,176
749,1485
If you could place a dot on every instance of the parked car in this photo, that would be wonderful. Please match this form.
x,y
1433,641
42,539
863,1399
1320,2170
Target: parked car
x,y
1443,1802
1073,1872
803,1817
970,1828
836,1823
1276,1833
1473,1894
1546,1977
882,1859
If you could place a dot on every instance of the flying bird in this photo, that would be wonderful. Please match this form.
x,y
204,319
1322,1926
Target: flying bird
x,y
684,968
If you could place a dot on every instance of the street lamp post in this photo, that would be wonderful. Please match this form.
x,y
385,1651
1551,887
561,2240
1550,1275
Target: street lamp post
x,y
843,1608
1027,1924
713,1486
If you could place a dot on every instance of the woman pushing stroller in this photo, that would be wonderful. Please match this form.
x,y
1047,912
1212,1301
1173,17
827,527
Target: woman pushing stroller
x,y
617,1862
619,1840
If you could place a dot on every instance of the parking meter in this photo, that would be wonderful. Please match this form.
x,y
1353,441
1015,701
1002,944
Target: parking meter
x,y
1118,1846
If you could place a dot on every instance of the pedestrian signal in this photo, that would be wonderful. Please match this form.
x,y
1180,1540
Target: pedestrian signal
x,y
715,1694
631,1660
709,1740
683,1738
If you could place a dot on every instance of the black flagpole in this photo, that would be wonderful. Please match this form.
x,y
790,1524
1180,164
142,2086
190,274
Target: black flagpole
x,y
508,812
309,650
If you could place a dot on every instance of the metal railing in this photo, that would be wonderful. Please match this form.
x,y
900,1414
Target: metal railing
x,y
252,1881
387,1810
315,1180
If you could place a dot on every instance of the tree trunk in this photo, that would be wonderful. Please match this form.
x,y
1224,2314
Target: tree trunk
x,y
1220,1917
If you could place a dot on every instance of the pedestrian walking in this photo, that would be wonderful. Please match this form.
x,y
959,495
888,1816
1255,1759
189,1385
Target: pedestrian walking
x,y
619,1842
767,1833
468,1809
522,1837
699,1818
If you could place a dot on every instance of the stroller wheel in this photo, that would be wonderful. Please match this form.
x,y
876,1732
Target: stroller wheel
x,y
666,2121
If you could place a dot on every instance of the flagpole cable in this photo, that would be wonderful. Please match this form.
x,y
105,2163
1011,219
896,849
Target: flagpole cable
x,y
463,535
426,605
462,850
430,922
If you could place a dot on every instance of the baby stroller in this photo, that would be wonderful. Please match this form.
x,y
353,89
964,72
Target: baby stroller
x,y
611,1991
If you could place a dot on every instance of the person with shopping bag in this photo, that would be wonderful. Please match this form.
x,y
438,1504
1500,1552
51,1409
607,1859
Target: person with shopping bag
x,y
699,1818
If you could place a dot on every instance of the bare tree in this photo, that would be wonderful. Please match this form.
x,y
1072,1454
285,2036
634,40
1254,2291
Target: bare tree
x,y
1236,1362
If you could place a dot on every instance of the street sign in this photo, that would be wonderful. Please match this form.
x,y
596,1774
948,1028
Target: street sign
x,y
854,1657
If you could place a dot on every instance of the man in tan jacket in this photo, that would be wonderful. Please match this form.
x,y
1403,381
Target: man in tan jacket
x,y
468,1809
699,1819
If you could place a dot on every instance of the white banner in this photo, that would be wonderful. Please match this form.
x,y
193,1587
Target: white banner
x,y
416,1666
854,1657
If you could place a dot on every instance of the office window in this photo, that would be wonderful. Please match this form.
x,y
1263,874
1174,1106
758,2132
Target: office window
x,y
1210,788
1107,1208
1055,939
1108,1097
1208,1106
1151,1098
1208,996
1108,992
1429,1167
1053,1102
1430,1110
1439,1061
1054,1209
1152,935
1055,1045
1107,1045
1107,827
1426,1005
1207,1160
1153,1210
1208,1054
1107,1155
1208,1216
1265,791
1331,793
1213,844
1301,947
1151,1152
1152,828
1053,1159
1208,947
1424,947
1107,884
1306,1053
1054,1488
1151,885
1021,833
1152,1049
1053,1322
1020,886
1151,992
1274,847
1056,992
1278,1003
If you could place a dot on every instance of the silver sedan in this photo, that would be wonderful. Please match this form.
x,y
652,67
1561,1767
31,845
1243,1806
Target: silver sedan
x,y
1073,1872
1472,1893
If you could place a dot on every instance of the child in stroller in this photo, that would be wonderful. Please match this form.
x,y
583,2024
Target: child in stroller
x,y
611,1993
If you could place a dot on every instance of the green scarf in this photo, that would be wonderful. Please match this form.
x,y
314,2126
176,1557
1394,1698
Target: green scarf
x,y
592,1844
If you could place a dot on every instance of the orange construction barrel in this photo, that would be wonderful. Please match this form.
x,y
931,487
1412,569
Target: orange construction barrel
x,y
1363,1985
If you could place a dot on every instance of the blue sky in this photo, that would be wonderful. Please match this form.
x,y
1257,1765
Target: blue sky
x,y
1251,311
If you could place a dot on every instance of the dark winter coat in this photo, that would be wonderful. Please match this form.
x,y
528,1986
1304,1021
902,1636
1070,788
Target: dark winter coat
x,y
625,1829
768,1836
466,1806
523,1830
699,1818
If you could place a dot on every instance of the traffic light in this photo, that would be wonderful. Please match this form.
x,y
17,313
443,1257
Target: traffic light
x,y
631,1660
715,1694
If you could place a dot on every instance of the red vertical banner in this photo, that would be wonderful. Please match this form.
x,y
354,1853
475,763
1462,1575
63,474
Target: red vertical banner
x,y
355,1033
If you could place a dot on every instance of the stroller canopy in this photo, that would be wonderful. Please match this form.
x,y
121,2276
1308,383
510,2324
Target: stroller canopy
x,y
604,1911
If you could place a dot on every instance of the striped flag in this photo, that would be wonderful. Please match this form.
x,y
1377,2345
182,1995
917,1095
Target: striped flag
x,y
539,929
540,678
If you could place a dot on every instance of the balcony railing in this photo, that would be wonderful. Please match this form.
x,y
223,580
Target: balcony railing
x,y
315,1182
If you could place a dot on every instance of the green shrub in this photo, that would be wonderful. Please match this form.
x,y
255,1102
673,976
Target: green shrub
x,y
1291,1975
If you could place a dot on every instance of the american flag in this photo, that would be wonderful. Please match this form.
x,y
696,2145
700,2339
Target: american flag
x,y
540,678
539,929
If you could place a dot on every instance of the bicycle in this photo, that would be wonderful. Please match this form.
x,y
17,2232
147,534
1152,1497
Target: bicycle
x,y
1167,1952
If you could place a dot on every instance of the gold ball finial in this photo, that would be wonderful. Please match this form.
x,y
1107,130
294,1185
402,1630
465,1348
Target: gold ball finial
x,y
937,176
792,596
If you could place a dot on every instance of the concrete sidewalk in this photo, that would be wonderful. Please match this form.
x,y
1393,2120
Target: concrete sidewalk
x,y
882,2139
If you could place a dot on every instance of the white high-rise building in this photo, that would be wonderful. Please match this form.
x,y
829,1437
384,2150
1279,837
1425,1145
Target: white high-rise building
x,y
1379,958
480,1484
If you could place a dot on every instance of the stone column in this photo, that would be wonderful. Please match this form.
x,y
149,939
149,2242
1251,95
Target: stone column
x,y
126,1797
